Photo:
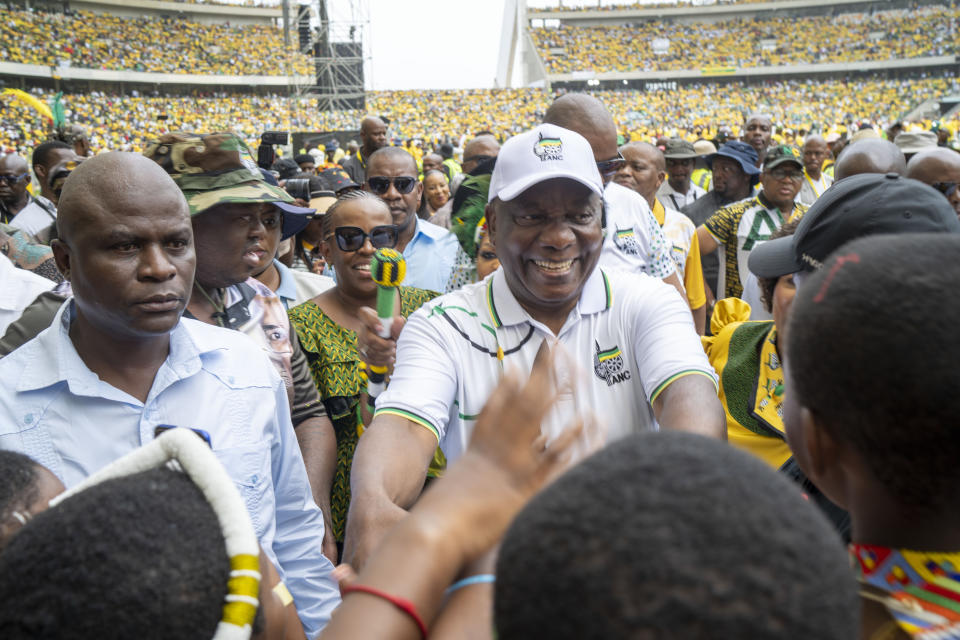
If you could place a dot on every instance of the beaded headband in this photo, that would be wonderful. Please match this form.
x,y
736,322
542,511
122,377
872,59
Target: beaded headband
x,y
207,473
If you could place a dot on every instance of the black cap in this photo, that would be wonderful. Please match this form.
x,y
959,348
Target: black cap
x,y
861,205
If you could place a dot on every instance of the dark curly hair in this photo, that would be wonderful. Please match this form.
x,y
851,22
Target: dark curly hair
x,y
136,557
873,354
18,487
767,285
673,536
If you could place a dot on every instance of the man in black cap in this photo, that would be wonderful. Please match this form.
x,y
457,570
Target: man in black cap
x,y
738,228
306,162
679,191
734,170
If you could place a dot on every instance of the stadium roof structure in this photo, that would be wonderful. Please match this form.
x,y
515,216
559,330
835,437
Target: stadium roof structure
x,y
188,8
521,64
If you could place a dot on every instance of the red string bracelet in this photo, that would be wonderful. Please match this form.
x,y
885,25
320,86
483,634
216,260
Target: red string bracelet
x,y
400,603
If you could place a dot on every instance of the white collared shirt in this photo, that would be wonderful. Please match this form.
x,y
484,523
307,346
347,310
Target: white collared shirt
x,y
33,218
676,200
634,241
813,189
61,414
18,288
629,336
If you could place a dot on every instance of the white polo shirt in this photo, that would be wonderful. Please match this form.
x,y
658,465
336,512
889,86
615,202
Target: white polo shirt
x,y
629,336
633,239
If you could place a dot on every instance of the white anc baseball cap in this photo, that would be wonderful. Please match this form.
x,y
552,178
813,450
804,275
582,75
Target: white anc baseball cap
x,y
543,153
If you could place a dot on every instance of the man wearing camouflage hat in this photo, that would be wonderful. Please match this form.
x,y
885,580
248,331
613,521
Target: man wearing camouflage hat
x,y
233,210
738,228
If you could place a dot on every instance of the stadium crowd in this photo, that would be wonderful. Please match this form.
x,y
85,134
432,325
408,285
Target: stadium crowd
x,y
757,42
688,111
152,44
565,5
501,364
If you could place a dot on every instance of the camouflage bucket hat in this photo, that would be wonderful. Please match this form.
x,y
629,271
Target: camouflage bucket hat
x,y
781,153
218,169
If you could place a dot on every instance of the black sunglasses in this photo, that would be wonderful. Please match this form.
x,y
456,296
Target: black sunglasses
x,y
611,166
353,238
13,179
380,185
946,188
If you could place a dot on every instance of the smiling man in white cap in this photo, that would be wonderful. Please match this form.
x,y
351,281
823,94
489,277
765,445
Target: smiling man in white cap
x,y
632,354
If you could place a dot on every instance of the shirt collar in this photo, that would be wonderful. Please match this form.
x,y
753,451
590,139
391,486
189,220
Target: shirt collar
x,y
56,359
287,291
505,311
658,212
428,231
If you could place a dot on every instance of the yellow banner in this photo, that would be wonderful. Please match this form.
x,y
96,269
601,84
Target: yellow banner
x,y
717,71
29,100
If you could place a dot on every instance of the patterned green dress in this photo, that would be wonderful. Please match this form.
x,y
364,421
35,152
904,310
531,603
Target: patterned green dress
x,y
340,377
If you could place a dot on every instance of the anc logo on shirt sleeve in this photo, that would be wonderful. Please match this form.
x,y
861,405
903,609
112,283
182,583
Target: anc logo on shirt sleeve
x,y
626,241
608,365
548,148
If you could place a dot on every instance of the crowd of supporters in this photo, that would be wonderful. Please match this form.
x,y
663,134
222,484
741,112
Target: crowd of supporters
x,y
691,111
637,5
152,44
757,42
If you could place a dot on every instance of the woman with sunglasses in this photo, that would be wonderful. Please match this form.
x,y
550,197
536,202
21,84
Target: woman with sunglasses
x,y
354,227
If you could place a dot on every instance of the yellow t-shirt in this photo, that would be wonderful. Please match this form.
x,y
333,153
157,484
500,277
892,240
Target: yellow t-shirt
x,y
681,233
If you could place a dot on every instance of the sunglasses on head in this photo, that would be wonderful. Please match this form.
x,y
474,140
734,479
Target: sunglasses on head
x,y
380,185
611,166
353,238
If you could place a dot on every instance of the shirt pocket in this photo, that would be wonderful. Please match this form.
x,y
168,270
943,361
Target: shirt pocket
x,y
24,432
249,468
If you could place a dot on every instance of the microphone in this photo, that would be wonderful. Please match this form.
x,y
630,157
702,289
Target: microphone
x,y
388,269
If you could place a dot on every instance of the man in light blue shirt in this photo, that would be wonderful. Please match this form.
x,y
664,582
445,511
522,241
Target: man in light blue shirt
x,y
119,361
434,258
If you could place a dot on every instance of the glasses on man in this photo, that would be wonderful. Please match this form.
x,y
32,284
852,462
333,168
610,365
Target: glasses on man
x,y
609,167
478,159
353,238
781,173
380,185
13,179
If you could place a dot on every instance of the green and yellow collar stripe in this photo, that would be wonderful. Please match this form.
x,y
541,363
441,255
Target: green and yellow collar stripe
x,y
609,291
412,417
491,306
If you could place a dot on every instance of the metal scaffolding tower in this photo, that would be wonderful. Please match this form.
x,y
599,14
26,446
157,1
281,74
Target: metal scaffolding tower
x,y
336,36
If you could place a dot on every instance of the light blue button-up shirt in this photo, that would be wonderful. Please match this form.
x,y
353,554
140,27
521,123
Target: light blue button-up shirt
x,y
63,416
431,256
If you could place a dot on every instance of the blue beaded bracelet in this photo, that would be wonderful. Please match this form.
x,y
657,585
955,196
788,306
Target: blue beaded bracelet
x,y
481,578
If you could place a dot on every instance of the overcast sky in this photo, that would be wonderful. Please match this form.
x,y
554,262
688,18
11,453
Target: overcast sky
x,y
440,44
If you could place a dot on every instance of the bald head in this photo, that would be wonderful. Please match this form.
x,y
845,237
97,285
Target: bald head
x,y
871,155
815,151
478,150
373,134
936,165
14,164
391,155
587,116
108,183
643,170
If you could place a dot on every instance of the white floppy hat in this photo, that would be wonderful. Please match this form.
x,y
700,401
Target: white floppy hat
x,y
544,153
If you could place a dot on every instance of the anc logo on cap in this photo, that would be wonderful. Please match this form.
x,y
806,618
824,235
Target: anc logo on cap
x,y
548,148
